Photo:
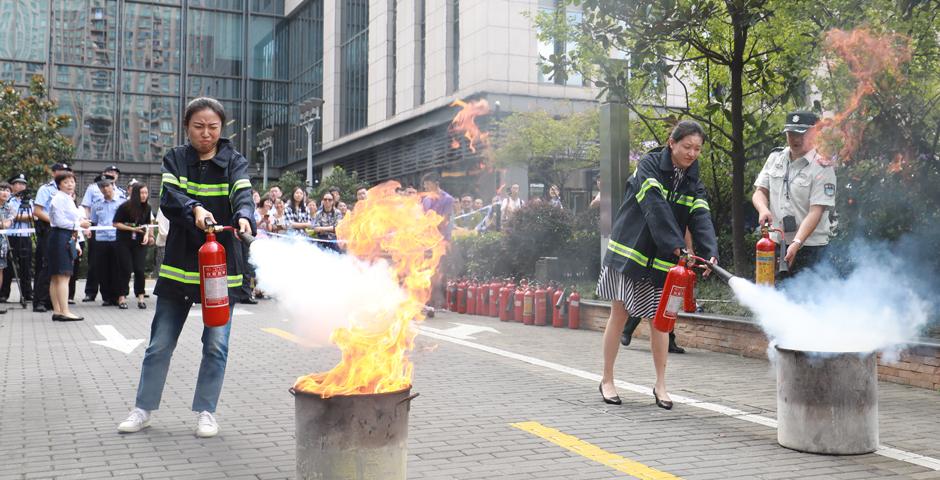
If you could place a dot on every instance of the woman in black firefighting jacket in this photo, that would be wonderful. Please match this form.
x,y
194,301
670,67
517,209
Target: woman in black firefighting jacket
x,y
204,181
663,198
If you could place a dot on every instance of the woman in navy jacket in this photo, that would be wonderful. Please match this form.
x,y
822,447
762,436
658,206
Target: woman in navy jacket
x,y
664,197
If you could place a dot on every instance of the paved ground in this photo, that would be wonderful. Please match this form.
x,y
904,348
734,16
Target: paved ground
x,y
486,403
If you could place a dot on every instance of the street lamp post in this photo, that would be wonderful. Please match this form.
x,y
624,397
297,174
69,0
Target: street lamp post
x,y
309,114
265,144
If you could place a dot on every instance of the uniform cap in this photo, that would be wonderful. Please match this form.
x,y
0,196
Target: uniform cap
x,y
112,167
61,166
21,177
800,122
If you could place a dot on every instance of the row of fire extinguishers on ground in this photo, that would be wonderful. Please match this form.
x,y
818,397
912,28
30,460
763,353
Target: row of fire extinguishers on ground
x,y
530,304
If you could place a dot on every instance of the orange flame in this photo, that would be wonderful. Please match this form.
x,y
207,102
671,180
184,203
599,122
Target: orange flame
x,y
464,124
384,227
867,56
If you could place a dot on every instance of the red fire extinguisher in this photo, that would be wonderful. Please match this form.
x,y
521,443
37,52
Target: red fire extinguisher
x,y
494,299
528,306
541,306
574,309
558,304
213,277
462,297
452,296
471,298
764,258
482,292
517,300
678,281
689,302
505,307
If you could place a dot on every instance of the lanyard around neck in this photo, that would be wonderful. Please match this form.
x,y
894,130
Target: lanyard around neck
x,y
786,176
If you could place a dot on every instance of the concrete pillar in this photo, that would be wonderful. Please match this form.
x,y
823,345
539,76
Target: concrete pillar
x,y
615,163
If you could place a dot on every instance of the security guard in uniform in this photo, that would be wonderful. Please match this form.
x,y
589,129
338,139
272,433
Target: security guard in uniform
x,y
42,302
795,189
21,245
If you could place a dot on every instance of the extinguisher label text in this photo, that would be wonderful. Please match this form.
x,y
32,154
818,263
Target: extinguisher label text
x,y
676,301
215,285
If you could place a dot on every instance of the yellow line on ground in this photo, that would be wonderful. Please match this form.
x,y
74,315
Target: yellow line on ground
x,y
593,452
290,336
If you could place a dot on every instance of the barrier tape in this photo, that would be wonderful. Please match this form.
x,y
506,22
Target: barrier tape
x,y
13,231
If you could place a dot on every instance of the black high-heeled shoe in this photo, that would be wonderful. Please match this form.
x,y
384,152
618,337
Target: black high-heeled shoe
x,y
615,400
667,404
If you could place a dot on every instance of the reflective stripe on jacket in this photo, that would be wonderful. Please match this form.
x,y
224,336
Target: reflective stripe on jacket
x,y
652,220
219,185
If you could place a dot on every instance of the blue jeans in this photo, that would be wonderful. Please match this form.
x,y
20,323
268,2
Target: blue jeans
x,y
168,320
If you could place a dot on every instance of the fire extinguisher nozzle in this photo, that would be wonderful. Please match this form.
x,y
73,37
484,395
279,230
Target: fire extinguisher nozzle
x,y
721,272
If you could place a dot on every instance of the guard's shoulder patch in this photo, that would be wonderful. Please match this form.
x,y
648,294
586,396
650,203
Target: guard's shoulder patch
x,y
829,189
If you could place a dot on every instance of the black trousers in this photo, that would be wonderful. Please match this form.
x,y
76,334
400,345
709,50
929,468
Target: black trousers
x,y
20,256
248,280
41,267
74,277
107,266
806,258
131,257
91,277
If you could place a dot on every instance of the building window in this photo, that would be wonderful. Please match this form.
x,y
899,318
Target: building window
x,y
216,50
549,47
85,32
420,64
453,49
354,55
23,32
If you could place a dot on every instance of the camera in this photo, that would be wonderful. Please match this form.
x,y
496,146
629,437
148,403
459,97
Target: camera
x,y
789,224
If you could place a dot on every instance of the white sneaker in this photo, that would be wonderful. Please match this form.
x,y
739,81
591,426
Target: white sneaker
x,y
206,426
138,420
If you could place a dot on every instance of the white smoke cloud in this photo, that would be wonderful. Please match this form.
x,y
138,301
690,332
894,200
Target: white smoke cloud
x,y
320,291
880,306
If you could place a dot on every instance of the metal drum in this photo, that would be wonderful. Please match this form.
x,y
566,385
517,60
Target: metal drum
x,y
352,437
827,402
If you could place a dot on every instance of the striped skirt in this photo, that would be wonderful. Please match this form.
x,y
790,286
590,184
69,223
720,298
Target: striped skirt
x,y
639,297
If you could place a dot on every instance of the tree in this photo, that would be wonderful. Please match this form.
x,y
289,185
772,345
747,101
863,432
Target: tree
x,y
345,182
29,131
550,147
752,55
288,181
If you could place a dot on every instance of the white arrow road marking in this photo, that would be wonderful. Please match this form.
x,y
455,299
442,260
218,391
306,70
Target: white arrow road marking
x,y
462,331
114,339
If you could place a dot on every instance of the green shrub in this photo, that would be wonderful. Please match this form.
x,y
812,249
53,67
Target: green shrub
x,y
536,230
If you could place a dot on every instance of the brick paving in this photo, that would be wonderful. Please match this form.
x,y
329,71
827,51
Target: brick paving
x,y
61,398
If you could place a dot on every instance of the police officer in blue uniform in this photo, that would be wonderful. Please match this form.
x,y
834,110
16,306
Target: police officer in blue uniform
x,y
93,195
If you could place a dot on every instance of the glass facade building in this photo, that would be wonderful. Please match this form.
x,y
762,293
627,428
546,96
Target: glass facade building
x,y
124,69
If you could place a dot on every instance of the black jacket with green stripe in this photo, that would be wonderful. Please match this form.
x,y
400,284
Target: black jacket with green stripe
x,y
652,220
219,185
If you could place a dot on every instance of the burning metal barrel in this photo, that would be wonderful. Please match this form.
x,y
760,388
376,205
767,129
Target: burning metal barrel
x,y
827,402
352,437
